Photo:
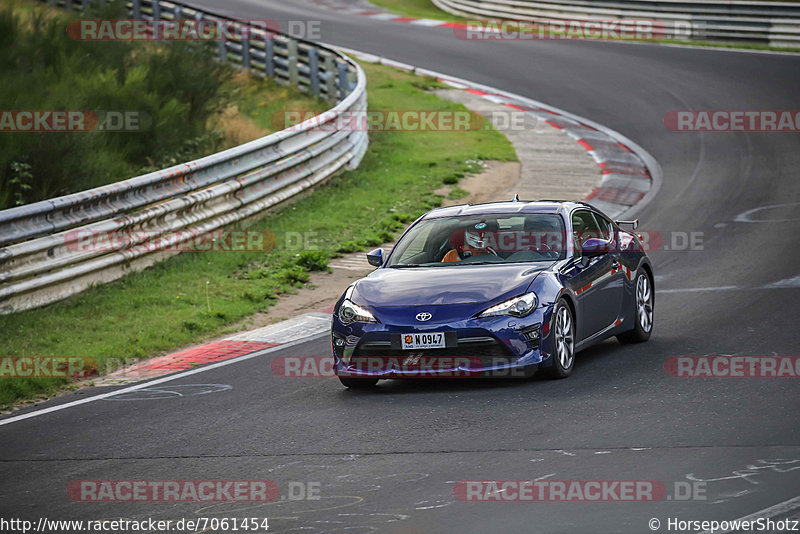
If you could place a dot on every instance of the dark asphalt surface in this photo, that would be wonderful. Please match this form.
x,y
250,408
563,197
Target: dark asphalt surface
x,y
387,460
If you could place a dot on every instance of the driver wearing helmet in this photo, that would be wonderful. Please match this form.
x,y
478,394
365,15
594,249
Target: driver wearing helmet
x,y
473,241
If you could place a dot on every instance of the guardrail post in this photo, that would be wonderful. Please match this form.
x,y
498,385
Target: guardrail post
x,y
330,77
269,57
53,3
344,83
137,8
198,17
156,10
246,50
222,44
699,29
313,71
291,51
177,13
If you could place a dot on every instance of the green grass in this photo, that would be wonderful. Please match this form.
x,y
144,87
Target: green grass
x,y
167,307
422,9
256,108
457,194
732,46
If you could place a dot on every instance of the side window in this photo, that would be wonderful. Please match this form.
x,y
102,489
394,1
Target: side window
x,y
606,228
584,226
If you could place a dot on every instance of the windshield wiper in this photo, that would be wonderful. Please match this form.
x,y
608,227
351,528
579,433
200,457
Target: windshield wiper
x,y
479,263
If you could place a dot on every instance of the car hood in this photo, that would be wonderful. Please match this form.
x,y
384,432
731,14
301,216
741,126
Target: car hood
x,y
431,286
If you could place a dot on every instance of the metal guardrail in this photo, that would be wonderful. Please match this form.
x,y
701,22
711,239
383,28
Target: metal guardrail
x,y
771,23
39,260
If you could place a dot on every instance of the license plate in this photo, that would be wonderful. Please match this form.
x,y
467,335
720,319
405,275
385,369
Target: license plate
x,y
428,340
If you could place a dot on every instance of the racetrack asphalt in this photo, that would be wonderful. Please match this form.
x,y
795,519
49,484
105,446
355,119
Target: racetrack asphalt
x,y
387,460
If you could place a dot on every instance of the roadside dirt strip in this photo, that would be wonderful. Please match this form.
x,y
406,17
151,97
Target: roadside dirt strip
x,y
303,326
560,158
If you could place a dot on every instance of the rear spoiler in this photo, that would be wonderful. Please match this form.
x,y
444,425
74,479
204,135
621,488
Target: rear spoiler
x,y
633,225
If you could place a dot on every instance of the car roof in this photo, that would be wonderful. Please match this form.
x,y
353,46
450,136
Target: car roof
x,y
509,207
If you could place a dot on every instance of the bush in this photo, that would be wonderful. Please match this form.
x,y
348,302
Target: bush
x,y
313,260
179,87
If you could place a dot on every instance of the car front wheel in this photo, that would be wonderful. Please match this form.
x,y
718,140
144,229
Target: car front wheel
x,y
563,340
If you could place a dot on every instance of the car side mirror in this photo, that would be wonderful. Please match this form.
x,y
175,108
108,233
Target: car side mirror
x,y
629,225
375,257
594,247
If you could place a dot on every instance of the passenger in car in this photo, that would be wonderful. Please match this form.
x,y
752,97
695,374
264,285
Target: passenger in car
x,y
471,242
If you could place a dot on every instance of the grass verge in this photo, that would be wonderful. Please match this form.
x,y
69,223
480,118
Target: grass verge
x,y
423,9
196,295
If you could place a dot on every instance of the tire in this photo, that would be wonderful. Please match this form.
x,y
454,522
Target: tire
x,y
644,295
563,329
358,383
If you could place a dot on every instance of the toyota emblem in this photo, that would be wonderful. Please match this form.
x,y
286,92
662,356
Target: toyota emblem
x,y
424,316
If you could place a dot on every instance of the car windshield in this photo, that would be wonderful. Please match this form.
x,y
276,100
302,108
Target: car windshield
x,y
481,239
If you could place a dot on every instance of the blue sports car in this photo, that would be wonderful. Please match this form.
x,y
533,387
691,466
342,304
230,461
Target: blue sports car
x,y
499,289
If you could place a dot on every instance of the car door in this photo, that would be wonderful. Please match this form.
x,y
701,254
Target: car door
x,y
615,286
596,281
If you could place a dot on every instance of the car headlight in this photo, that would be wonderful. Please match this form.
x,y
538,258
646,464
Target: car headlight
x,y
350,313
518,307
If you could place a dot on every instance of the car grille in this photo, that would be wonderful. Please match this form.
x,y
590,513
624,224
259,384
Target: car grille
x,y
488,351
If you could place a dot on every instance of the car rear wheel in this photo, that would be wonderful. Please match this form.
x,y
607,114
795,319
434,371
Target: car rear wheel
x,y
643,323
563,340
358,383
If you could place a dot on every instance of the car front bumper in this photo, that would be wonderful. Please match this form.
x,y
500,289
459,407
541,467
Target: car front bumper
x,y
476,347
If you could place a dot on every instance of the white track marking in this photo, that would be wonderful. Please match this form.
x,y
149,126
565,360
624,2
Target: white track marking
x,y
427,22
772,511
783,284
288,330
788,283
495,99
353,262
383,16
693,289
145,385
347,267
745,217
